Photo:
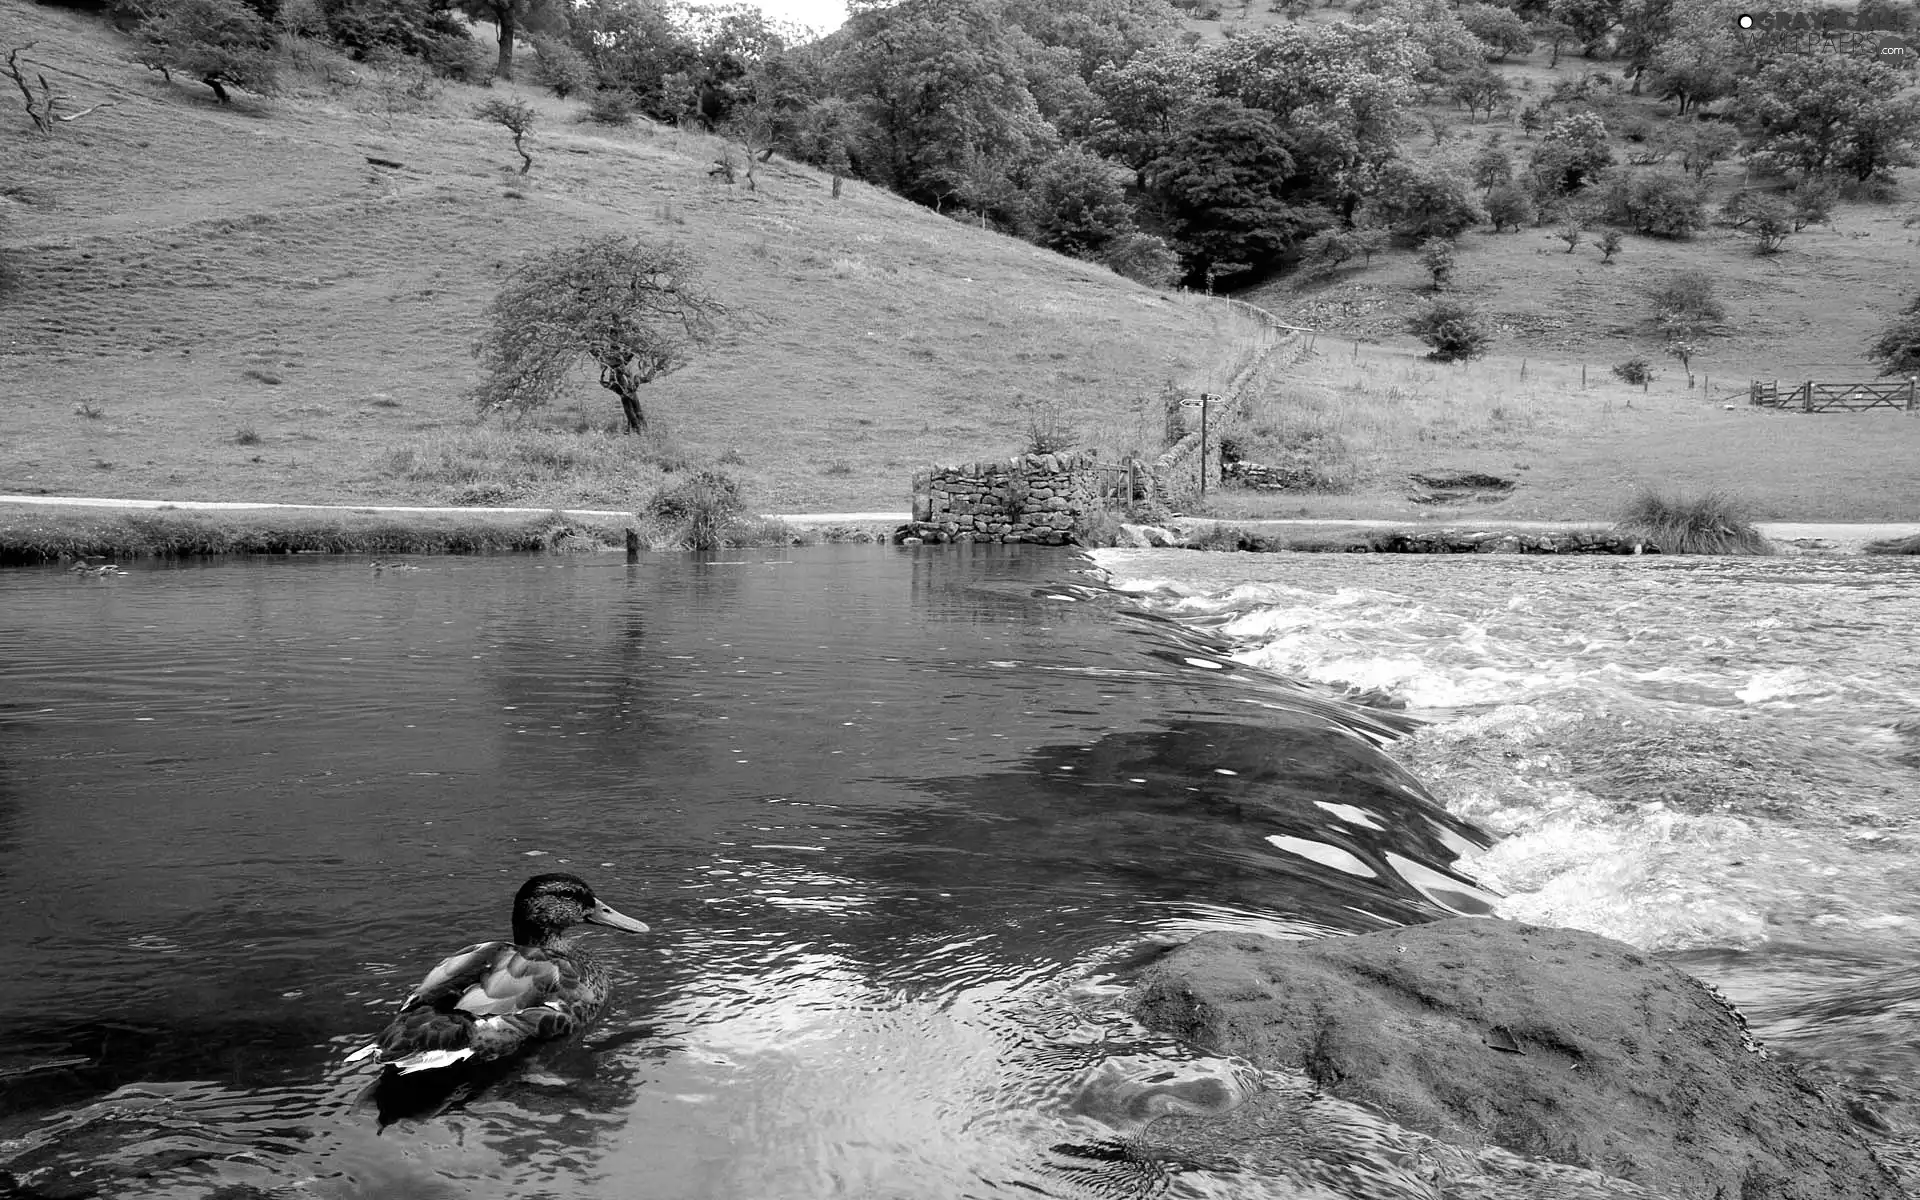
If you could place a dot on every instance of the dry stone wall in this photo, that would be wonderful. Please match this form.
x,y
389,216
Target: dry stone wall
x,y
1029,498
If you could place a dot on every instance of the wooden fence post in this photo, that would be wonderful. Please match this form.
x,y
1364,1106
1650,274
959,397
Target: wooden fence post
x,y
1910,382
1808,404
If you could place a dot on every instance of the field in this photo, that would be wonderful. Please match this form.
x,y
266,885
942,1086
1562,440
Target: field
x,y
236,303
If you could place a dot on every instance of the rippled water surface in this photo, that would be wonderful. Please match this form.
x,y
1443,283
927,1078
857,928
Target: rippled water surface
x,y
1719,758
894,816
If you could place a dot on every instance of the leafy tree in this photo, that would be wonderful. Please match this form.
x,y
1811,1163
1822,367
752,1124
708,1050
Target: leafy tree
x,y
1556,34
1609,245
1645,26
1500,29
1684,303
1507,205
222,43
1481,90
1898,344
1590,20
1570,230
425,29
634,47
1416,202
1826,110
629,308
560,68
1705,143
1572,153
1095,33
1659,205
1076,206
509,17
1491,166
1144,258
1436,255
981,181
1452,329
937,80
1326,252
1218,183
1142,101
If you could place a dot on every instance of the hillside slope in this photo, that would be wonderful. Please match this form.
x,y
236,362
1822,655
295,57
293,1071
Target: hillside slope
x,y
234,303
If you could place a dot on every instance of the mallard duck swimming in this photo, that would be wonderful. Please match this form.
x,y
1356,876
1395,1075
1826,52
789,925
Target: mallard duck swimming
x,y
495,999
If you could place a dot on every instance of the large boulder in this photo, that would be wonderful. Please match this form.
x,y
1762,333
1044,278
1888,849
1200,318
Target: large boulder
x,y
1561,1046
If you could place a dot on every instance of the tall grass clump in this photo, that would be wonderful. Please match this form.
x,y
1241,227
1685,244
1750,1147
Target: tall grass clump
x,y
701,512
493,465
1714,523
1905,545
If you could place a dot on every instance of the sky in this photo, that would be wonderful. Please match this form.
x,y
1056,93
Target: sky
x,y
825,16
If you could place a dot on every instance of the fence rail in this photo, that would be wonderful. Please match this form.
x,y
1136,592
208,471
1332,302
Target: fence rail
x,y
1827,397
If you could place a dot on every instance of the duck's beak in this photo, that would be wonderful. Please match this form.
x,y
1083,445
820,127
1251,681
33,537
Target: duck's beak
x,y
600,914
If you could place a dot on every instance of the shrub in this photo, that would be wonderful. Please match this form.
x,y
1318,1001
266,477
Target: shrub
x,y
1572,154
1144,258
1668,206
698,511
1326,252
559,68
458,57
1634,370
1609,245
1436,255
1508,205
1686,297
1418,203
612,106
1897,346
1813,202
1501,28
218,42
1770,223
1453,330
1048,429
1714,523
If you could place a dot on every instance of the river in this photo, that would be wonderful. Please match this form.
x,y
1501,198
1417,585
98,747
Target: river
x,y
900,820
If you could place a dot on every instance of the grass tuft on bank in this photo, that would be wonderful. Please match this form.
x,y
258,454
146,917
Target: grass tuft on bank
x,y
1904,545
1714,522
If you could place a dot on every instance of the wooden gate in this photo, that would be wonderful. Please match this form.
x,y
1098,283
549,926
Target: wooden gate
x,y
1828,397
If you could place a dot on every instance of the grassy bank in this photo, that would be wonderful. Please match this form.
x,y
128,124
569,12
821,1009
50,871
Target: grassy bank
x,y
35,534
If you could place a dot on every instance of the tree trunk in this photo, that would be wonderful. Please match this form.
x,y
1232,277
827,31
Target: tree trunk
x,y
630,407
836,185
503,14
219,90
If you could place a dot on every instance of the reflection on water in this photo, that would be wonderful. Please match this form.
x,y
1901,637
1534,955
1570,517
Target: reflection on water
x,y
894,817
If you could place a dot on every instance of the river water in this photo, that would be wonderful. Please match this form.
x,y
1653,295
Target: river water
x,y
900,820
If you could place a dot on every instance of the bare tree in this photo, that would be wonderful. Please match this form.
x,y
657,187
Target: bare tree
x,y
630,308
40,109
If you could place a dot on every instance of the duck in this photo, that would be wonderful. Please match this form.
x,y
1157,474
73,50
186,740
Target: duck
x,y
496,1000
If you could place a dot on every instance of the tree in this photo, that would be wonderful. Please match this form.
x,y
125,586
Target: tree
x,y
1899,343
634,46
1219,185
1326,252
630,308
1143,258
1570,230
1436,255
1499,28
1697,62
1571,154
1556,34
1481,89
1491,166
1813,202
1656,204
560,68
1645,26
1705,143
1452,329
517,116
1508,205
1075,205
1590,20
1825,110
509,17
1418,203
1684,304
1683,350
1142,101
222,43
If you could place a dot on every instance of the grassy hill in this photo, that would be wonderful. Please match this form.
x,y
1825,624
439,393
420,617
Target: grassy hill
x,y
235,303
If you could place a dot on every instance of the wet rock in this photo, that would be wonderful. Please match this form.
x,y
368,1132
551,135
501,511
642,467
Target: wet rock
x,y
1553,1044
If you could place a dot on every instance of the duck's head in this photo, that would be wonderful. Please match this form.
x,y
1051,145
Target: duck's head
x,y
548,905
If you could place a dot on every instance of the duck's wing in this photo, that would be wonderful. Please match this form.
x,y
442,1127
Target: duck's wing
x,y
486,1001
